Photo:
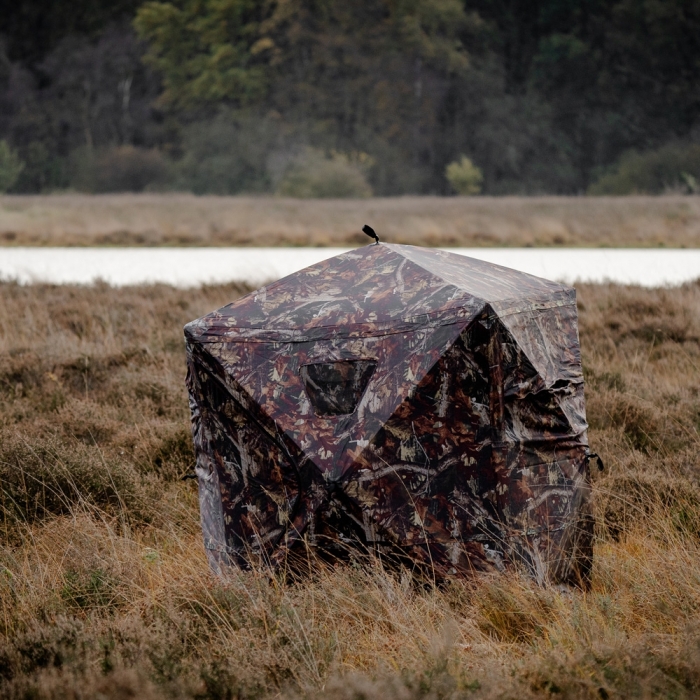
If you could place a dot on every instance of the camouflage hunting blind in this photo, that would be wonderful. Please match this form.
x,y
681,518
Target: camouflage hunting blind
x,y
412,400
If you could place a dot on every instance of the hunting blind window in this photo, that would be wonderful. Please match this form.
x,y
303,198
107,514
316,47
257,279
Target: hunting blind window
x,y
335,388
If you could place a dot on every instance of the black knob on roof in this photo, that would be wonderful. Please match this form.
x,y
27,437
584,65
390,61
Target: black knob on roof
x,y
371,233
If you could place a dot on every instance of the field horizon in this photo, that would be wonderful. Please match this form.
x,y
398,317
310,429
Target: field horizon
x,y
189,220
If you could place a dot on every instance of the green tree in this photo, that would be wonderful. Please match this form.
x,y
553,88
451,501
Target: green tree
x,y
10,167
208,51
343,77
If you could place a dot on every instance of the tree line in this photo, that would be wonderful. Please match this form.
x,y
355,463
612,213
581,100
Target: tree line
x,y
329,98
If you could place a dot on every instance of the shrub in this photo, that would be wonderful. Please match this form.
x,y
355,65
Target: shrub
x,y
464,177
118,169
226,155
674,167
10,167
53,477
311,174
42,170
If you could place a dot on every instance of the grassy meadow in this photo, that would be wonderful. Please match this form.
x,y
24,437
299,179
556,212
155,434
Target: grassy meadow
x,y
183,219
104,587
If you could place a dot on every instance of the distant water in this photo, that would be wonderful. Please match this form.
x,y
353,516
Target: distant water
x,y
189,267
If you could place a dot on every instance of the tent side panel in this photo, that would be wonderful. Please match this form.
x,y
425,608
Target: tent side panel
x,y
543,445
425,481
248,483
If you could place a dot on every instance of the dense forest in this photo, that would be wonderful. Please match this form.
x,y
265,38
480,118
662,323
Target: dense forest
x,y
352,98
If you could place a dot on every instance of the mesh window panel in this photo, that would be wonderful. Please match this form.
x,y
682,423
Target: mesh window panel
x,y
335,388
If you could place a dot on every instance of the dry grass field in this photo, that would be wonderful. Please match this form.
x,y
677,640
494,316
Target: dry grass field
x,y
104,588
181,219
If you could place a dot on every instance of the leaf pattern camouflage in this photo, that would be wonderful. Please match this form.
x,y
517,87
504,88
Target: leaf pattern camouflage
x,y
409,399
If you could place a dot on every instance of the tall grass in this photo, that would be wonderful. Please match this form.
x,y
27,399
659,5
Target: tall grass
x,y
104,587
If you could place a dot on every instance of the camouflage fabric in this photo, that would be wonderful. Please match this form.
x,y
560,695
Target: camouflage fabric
x,y
410,399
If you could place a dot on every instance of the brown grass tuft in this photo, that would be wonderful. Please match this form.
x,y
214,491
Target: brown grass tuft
x,y
104,587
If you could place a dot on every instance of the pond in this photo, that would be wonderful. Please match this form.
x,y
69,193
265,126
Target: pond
x,y
189,267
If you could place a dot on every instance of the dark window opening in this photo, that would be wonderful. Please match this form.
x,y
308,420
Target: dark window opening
x,y
335,388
